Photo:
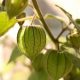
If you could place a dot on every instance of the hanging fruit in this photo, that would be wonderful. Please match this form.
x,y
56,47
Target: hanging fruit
x,y
33,40
15,7
57,64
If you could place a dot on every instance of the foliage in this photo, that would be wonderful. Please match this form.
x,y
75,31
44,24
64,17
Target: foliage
x,y
46,64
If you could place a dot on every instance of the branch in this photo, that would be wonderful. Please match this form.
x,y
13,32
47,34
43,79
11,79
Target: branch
x,y
61,32
43,21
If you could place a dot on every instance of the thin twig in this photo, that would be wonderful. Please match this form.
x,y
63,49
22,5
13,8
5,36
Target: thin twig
x,y
25,18
63,30
34,16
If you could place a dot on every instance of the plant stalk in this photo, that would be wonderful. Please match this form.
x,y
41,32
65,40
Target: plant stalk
x,y
25,18
43,21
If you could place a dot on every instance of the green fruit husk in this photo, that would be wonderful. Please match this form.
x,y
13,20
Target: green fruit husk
x,y
57,64
31,40
34,41
15,7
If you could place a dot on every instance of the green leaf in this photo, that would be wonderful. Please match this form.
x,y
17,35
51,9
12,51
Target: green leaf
x,y
67,13
5,22
49,16
77,21
70,18
15,54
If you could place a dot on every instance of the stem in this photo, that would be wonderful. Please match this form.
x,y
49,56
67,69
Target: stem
x,y
76,26
43,21
63,30
25,18
70,18
34,16
61,33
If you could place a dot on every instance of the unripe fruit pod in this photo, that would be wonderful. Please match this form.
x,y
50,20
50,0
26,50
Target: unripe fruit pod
x,y
37,63
57,64
75,40
33,40
15,7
